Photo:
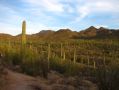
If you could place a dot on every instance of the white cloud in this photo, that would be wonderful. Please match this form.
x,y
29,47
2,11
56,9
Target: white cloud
x,y
85,8
49,5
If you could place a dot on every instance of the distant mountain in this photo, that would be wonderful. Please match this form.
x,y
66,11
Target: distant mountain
x,y
45,32
89,32
66,34
5,36
102,32
61,34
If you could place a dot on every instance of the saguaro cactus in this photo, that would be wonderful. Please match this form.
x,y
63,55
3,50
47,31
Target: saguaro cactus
x,y
23,33
49,51
23,40
74,54
9,46
49,55
94,64
64,55
61,51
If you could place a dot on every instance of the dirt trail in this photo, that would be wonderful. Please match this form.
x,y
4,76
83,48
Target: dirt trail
x,y
17,81
55,81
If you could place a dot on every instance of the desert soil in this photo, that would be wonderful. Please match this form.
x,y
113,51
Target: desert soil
x,y
55,81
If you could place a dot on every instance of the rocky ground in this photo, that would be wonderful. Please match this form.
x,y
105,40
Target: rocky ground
x,y
55,81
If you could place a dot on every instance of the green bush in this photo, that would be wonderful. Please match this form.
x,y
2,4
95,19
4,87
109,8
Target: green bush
x,y
29,60
108,77
66,67
57,64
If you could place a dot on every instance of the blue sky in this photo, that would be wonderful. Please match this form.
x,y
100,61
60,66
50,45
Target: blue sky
x,y
55,14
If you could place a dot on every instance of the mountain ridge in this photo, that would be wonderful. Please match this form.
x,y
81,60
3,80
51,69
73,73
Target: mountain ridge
x,y
61,34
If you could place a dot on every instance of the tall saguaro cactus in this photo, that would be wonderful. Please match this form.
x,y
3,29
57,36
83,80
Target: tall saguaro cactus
x,y
23,33
23,39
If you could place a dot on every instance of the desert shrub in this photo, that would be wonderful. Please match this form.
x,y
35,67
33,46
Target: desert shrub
x,y
73,69
66,67
29,65
108,77
11,57
16,59
57,64
34,64
43,65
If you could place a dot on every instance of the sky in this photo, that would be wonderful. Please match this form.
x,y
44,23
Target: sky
x,y
55,14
